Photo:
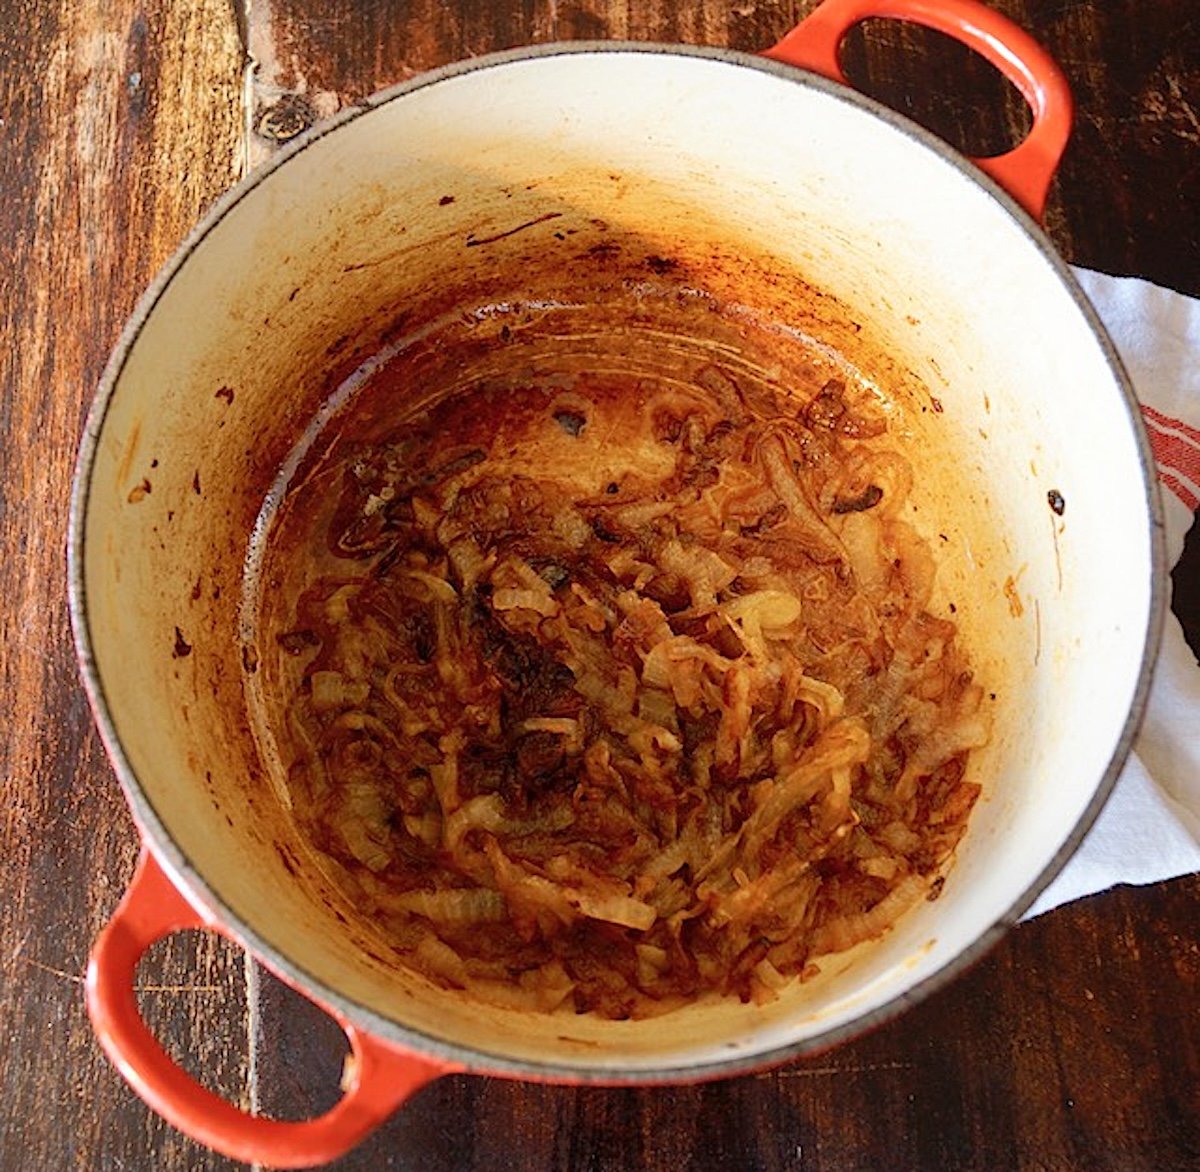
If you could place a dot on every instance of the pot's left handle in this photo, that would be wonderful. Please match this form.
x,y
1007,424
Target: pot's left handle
x,y
379,1077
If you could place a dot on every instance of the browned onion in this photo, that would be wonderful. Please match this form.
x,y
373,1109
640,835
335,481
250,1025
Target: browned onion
x,y
617,745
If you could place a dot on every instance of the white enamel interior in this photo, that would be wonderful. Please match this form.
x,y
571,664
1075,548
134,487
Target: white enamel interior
x,y
761,182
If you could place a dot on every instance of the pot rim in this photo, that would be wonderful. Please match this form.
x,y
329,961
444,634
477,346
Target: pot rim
x,y
192,883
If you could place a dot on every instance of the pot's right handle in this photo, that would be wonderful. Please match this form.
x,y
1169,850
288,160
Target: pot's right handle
x,y
379,1077
1025,171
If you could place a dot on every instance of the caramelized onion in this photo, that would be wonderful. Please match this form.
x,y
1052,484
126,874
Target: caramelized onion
x,y
617,729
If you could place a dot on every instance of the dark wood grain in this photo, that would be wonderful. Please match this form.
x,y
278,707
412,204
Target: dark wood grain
x,y
1074,1044
104,169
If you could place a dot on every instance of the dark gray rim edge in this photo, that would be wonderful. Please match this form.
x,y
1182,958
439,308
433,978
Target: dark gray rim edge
x,y
187,877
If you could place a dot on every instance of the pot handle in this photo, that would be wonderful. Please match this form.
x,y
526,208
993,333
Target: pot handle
x,y
1024,172
378,1077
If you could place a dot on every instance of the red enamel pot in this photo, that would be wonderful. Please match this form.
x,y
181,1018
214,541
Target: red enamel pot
x,y
777,192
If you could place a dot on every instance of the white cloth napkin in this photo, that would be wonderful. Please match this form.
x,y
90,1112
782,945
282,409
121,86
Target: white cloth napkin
x,y
1150,828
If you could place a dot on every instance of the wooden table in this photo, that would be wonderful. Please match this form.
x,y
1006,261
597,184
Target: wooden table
x,y
1074,1045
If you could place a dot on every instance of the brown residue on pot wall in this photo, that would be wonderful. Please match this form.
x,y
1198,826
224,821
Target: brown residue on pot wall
x,y
474,241
1015,606
139,491
127,457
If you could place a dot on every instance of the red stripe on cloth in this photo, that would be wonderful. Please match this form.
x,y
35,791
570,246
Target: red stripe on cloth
x,y
1176,447
1173,453
1182,491
1186,429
